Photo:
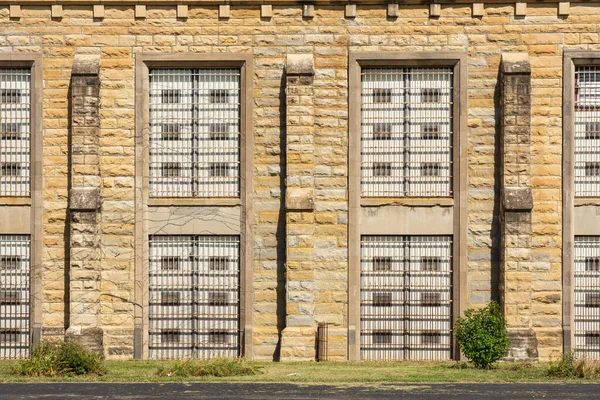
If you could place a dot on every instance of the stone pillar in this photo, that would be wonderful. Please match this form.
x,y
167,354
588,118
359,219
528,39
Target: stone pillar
x,y
84,205
517,203
298,338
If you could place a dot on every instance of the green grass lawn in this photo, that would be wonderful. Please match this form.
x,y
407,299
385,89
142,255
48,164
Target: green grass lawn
x,y
319,373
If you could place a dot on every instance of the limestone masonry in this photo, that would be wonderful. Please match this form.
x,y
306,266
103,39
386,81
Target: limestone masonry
x,y
512,216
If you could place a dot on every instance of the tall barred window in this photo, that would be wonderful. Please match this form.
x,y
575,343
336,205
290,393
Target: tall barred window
x,y
405,297
406,132
587,131
587,296
14,296
194,297
194,122
15,130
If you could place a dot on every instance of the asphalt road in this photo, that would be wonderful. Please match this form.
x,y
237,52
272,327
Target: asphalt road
x,y
260,391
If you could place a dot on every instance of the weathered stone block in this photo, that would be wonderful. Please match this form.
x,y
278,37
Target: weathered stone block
x,y
14,11
91,338
98,11
85,199
478,10
308,11
517,199
520,9
224,11
266,11
299,199
515,63
350,11
523,345
182,11
86,65
300,64
140,11
57,11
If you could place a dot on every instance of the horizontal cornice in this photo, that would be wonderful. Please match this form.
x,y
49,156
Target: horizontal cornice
x,y
254,2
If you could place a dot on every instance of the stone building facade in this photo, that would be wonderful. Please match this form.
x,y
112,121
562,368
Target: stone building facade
x,y
296,214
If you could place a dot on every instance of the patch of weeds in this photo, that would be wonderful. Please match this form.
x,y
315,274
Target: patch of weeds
x,y
519,366
459,365
574,367
60,359
218,367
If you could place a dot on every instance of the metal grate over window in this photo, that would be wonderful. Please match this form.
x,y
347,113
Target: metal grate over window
x,y
15,130
587,296
14,296
194,297
406,132
194,132
587,131
406,297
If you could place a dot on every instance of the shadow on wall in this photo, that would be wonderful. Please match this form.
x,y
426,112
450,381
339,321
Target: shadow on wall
x,y
67,231
280,234
495,232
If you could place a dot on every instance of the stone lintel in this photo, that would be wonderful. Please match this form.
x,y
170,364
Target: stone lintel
x,y
517,199
300,64
297,199
86,66
515,63
85,199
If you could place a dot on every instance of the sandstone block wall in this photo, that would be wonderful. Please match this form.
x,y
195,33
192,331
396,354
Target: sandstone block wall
x,y
329,36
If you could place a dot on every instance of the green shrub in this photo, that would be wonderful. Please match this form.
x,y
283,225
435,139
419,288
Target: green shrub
x,y
219,367
571,366
60,359
482,336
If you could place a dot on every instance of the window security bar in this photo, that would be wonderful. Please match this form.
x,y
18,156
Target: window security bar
x,y
15,132
406,298
14,296
587,296
406,132
194,135
194,297
587,131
